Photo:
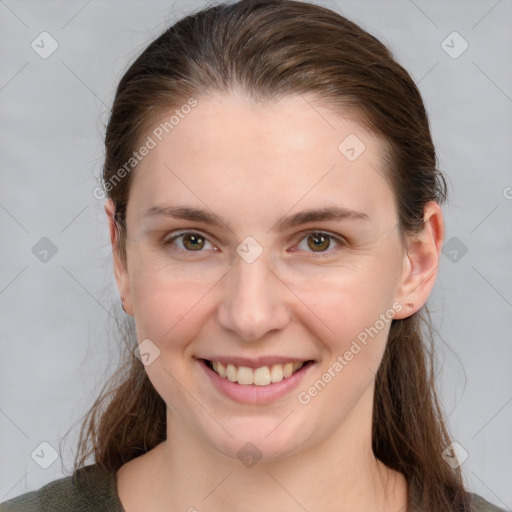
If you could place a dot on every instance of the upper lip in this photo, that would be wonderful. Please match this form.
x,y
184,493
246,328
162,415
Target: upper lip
x,y
256,362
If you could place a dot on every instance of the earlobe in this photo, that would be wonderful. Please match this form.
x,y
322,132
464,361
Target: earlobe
x,y
421,262
120,270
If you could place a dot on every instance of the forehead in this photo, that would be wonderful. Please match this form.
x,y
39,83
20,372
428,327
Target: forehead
x,y
230,149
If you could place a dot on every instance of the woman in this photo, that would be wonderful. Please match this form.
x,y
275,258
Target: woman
x,y
274,212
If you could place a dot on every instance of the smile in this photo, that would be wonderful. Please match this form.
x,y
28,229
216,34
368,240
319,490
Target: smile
x,y
262,376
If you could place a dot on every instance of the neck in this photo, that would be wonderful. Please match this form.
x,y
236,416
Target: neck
x,y
340,474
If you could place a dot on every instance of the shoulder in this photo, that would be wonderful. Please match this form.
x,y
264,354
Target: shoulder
x,y
89,489
476,502
479,504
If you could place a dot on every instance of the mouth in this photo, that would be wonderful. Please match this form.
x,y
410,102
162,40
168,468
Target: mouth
x,y
262,376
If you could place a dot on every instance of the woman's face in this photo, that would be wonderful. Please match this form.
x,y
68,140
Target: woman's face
x,y
261,236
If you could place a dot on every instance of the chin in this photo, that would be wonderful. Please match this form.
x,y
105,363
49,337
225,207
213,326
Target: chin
x,y
260,439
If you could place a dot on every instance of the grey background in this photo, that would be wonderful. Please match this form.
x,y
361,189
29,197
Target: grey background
x,y
55,315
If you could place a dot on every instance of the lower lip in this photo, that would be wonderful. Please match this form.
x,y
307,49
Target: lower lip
x,y
251,393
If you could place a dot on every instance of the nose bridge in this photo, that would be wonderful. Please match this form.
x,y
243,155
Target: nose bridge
x,y
253,303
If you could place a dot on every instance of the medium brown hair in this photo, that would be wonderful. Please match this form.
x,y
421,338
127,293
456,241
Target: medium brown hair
x,y
270,49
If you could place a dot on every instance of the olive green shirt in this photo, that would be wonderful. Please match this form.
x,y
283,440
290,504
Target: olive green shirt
x,y
98,493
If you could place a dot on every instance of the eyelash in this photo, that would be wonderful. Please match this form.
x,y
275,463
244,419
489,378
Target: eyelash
x,y
340,241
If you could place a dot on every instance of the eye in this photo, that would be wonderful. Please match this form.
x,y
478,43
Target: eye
x,y
318,242
190,241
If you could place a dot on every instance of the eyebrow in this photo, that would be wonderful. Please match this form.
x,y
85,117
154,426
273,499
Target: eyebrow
x,y
303,217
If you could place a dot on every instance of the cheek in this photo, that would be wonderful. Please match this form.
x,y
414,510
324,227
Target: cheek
x,y
168,299
165,311
347,300
359,319
353,313
170,313
356,324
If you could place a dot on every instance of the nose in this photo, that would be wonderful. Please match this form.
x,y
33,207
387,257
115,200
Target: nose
x,y
254,301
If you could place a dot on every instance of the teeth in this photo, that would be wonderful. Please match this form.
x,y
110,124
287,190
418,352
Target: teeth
x,y
276,373
245,375
287,370
259,376
231,372
221,369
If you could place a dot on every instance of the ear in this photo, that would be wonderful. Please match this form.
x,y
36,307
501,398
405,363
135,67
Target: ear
x,y
421,262
120,270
